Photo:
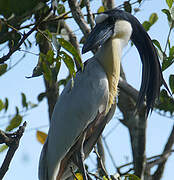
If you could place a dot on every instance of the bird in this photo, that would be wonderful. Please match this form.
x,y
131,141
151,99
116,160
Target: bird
x,y
83,110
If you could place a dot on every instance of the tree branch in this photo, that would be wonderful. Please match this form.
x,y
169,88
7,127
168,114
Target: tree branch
x,y
128,89
90,15
78,16
109,4
166,153
102,167
136,124
25,36
17,47
151,161
12,141
101,153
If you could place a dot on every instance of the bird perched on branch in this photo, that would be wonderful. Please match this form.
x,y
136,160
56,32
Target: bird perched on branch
x,y
83,110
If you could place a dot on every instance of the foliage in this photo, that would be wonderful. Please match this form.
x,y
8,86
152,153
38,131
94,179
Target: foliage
x,y
165,103
15,120
3,68
126,177
152,20
18,18
131,177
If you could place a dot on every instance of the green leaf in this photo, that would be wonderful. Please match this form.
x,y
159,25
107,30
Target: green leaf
x,y
166,63
3,68
57,67
157,44
68,61
62,82
37,71
146,25
71,49
171,83
14,123
6,104
47,72
3,148
131,177
127,6
41,96
166,11
172,12
169,3
24,100
17,110
171,52
165,102
50,56
9,7
1,105
48,33
60,9
153,18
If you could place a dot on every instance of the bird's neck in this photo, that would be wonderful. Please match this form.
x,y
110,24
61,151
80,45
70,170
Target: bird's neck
x,y
109,56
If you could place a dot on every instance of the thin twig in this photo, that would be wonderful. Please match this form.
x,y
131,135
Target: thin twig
x,y
44,35
15,48
112,129
78,16
97,177
109,152
11,140
13,28
29,52
122,5
89,14
73,173
166,153
101,163
170,30
148,159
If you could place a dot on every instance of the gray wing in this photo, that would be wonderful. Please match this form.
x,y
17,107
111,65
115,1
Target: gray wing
x,y
76,107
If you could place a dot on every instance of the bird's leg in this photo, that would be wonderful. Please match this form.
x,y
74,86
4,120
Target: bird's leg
x,y
81,158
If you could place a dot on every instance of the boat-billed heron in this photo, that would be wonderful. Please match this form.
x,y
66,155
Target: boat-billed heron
x,y
82,111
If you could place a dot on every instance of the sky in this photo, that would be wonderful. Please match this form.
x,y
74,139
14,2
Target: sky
x,y
25,162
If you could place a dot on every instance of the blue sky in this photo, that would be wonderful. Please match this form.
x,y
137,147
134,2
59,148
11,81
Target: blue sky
x,y
25,162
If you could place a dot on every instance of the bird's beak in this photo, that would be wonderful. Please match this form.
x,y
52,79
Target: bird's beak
x,y
98,36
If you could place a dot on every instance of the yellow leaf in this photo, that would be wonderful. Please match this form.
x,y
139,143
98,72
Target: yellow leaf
x,y
105,178
41,136
79,176
101,9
